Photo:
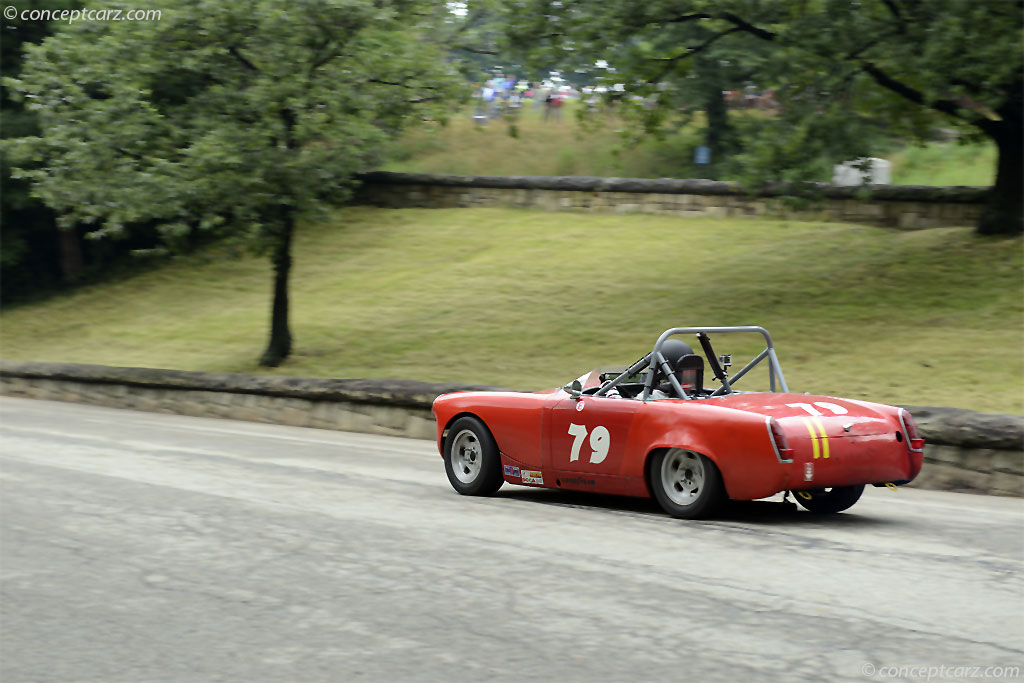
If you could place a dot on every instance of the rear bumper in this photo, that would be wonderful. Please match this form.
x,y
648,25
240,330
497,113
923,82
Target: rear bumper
x,y
857,461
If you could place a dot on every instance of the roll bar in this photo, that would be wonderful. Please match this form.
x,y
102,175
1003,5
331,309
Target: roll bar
x,y
655,359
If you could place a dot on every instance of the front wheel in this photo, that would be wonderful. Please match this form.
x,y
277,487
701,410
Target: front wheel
x,y
471,458
830,501
687,485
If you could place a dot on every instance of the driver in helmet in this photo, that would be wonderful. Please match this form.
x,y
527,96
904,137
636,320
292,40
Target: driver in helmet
x,y
673,350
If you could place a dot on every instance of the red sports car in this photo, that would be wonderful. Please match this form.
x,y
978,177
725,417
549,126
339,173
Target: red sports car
x,y
655,429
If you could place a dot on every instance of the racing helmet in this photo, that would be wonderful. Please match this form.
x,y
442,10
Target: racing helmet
x,y
674,350
686,366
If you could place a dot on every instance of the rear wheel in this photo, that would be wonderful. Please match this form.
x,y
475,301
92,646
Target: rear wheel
x,y
686,484
471,458
830,501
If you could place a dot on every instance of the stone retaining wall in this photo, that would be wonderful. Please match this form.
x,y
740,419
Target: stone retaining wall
x,y
966,451
391,407
902,206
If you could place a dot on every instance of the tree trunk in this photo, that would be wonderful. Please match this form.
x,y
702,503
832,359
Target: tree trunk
x,y
719,132
1004,213
70,248
280,344
718,135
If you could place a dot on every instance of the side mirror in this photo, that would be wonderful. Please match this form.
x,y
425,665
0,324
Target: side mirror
x,y
575,390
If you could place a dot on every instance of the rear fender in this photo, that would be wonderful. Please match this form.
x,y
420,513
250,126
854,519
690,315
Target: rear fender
x,y
743,455
648,482
689,439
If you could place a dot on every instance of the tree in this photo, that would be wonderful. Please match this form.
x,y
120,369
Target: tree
x,y
34,255
227,119
681,88
842,68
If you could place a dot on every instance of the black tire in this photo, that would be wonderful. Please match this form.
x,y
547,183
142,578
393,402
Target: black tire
x,y
471,458
687,485
829,501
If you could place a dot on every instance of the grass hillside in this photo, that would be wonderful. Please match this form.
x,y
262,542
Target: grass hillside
x,y
945,163
529,299
541,148
598,149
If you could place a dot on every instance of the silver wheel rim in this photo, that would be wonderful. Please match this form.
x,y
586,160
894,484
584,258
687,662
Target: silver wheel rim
x,y
467,456
682,476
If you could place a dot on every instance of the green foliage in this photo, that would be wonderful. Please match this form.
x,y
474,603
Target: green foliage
x,y
530,299
226,119
28,260
847,75
218,113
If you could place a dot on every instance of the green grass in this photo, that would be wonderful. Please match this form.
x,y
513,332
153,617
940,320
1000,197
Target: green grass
x,y
529,299
945,163
541,147
599,149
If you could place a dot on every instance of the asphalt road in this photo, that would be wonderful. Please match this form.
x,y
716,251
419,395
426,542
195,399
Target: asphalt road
x,y
146,547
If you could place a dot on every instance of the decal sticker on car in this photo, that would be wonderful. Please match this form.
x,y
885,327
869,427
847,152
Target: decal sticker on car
x,y
577,481
579,406
819,439
600,442
511,471
532,477
811,410
808,471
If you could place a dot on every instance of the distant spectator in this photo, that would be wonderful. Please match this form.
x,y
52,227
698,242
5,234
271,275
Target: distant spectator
x,y
487,95
553,106
513,105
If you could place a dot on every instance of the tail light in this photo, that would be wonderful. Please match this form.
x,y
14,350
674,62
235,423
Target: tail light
x,y
910,429
779,441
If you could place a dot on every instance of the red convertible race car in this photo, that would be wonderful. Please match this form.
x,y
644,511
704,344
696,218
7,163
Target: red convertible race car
x,y
654,429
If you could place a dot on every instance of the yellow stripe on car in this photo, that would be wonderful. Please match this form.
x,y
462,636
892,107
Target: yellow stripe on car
x,y
819,439
824,438
814,437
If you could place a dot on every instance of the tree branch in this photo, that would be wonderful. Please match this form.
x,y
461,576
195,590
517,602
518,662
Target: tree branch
x,y
669,61
684,18
763,34
129,154
894,10
474,50
948,107
700,48
323,59
233,51
417,86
